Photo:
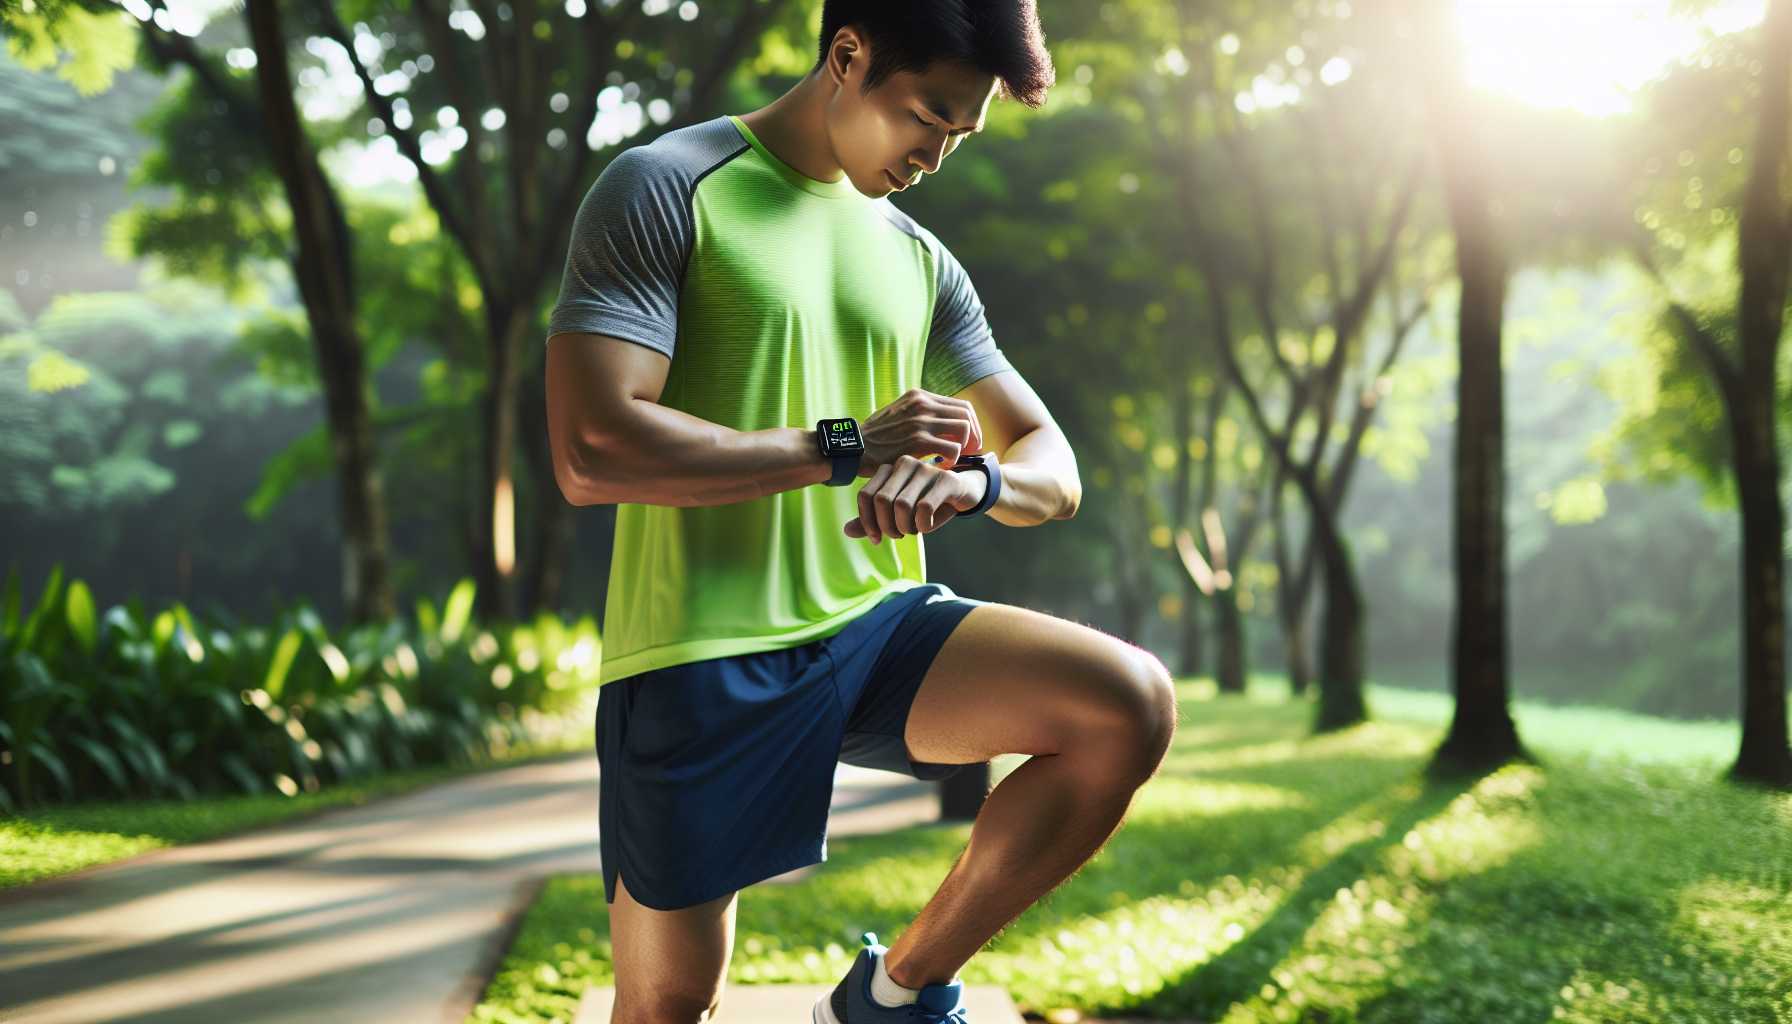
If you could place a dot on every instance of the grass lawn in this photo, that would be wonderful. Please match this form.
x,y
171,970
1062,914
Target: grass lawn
x,y
1261,876
59,840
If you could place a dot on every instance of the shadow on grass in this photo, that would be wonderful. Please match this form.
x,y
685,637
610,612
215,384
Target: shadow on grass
x,y
1635,907
1243,968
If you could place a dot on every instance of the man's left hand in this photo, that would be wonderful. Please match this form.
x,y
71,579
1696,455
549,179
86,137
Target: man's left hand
x,y
912,495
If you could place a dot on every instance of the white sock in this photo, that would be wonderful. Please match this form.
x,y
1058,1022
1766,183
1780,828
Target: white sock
x,y
888,992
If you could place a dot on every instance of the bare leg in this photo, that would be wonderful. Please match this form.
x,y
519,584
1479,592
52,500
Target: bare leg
x,y
671,965
1097,715
1041,823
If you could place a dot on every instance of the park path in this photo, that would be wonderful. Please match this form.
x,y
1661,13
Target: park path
x,y
396,911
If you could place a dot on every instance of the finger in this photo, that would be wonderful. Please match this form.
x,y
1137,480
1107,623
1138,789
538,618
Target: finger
x,y
882,500
953,426
855,527
868,503
910,496
945,448
928,516
975,442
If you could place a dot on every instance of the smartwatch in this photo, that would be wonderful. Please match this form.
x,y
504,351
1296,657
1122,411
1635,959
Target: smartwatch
x,y
840,442
992,470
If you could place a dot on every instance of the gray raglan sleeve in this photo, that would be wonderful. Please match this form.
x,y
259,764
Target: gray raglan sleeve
x,y
630,241
961,349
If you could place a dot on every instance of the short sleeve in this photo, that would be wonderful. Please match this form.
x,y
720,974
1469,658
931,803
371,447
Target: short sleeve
x,y
631,239
960,346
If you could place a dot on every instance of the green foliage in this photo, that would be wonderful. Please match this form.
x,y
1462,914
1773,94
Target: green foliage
x,y
106,392
128,704
84,47
306,458
12,317
227,214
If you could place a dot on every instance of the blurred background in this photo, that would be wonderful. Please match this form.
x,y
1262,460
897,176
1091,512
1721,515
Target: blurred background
x,y
1422,363
274,279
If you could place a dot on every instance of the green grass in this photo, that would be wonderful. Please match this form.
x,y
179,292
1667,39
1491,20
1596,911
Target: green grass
x,y
59,840
1264,876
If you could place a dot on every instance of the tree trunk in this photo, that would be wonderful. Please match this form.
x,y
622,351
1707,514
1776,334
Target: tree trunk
x,y
496,567
1182,405
1482,734
551,517
1294,632
1341,632
1291,595
1128,593
324,268
1230,667
1764,247
1763,755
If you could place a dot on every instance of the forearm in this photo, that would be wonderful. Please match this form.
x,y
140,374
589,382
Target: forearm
x,y
1039,480
664,456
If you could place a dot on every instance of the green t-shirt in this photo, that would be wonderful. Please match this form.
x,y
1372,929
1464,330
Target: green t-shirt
x,y
780,300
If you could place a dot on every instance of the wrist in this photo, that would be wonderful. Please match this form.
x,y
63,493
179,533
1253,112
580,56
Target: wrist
x,y
821,468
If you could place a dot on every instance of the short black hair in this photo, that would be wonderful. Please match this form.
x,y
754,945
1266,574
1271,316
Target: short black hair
x,y
1000,37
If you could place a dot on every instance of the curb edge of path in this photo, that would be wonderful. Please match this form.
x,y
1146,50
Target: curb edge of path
x,y
478,978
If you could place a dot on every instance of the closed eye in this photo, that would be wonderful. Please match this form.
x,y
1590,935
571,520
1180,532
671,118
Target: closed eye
x,y
919,120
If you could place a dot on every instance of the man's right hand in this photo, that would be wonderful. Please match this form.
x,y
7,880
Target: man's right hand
x,y
922,424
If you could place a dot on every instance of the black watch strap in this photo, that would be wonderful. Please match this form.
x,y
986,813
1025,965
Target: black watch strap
x,y
846,470
990,469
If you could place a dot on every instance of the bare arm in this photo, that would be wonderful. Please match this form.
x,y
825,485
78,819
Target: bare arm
x,y
613,442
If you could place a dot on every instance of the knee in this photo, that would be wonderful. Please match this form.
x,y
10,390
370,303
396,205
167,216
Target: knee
x,y
1158,689
1147,721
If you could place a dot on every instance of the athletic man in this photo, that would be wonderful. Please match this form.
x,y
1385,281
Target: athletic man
x,y
747,326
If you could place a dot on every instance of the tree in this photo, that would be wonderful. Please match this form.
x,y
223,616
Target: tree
x,y
1329,340
1748,384
323,261
1481,733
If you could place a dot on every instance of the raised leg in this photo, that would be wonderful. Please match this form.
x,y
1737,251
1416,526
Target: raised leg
x,y
1097,715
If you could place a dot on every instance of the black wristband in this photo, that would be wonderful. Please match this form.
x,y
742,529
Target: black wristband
x,y
992,470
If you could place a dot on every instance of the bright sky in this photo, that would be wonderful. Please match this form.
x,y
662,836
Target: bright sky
x,y
1587,55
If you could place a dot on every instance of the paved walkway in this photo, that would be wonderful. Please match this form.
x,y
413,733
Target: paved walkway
x,y
394,911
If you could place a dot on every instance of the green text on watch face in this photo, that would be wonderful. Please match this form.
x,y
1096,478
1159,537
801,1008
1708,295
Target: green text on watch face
x,y
841,437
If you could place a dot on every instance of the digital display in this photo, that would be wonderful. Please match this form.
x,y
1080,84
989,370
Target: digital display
x,y
842,438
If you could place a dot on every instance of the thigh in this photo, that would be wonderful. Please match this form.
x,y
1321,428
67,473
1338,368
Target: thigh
x,y
1012,680
670,964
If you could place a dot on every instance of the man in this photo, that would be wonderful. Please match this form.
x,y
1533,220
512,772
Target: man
x,y
738,293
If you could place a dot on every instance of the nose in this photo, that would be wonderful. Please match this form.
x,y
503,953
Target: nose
x,y
929,158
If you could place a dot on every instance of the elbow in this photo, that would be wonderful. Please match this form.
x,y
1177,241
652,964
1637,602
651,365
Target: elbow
x,y
1073,499
1072,487
576,471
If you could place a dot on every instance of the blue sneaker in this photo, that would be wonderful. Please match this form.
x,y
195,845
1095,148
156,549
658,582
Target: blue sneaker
x,y
851,1002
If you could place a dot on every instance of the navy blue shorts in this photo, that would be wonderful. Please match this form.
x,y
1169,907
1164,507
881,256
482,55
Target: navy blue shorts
x,y
717,774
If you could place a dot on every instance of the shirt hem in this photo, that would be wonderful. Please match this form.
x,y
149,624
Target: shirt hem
x,y
667,655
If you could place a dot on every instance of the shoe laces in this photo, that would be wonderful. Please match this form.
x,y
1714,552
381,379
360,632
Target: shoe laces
x,y
922,1015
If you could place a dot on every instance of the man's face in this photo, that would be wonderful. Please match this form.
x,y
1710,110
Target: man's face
x,y
887,138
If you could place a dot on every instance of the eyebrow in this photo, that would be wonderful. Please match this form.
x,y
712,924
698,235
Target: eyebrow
x,y
937,108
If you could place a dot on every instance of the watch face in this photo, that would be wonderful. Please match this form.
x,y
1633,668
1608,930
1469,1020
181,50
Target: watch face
x,y
841,437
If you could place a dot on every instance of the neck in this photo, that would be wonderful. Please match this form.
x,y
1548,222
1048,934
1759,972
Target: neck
x,y
793,128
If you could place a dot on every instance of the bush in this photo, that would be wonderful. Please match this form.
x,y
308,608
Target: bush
x,y
104,705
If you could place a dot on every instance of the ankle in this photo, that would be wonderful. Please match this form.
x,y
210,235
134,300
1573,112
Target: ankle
x,y
903,973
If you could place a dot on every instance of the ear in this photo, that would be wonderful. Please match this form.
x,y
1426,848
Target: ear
x,y
847,49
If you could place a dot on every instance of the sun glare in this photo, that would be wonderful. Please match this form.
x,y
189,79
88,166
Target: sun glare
x,y
1587,55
